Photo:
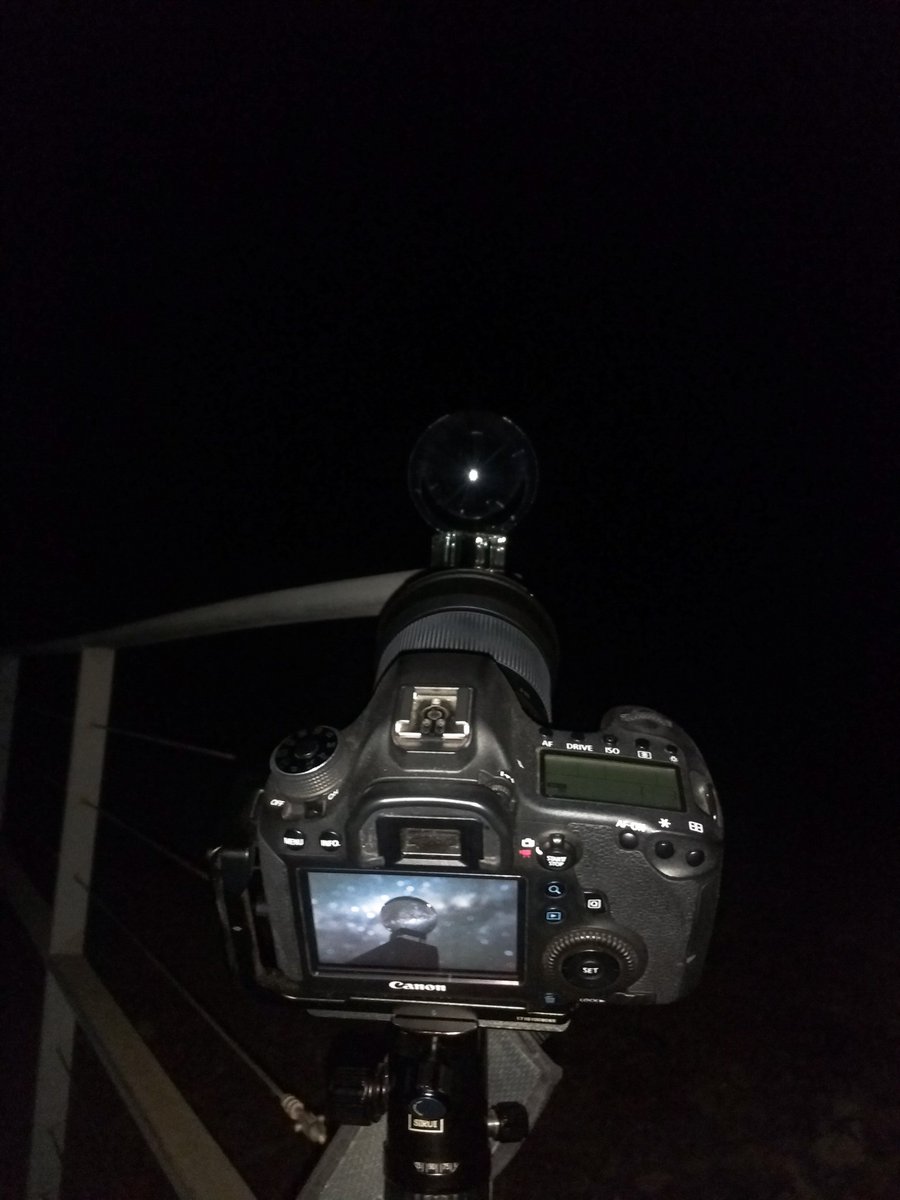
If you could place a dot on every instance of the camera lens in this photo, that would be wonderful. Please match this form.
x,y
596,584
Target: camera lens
x,y
473,472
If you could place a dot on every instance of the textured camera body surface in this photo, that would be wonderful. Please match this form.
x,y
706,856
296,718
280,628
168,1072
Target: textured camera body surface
x,y
543,884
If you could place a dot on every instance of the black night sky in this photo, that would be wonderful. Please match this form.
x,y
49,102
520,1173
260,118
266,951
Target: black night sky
x,y
252,251
251,256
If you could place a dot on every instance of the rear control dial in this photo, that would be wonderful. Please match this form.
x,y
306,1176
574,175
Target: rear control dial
x,y
593,961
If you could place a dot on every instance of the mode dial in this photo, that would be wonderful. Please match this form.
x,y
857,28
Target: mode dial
x,y
594,961
308,762
305,750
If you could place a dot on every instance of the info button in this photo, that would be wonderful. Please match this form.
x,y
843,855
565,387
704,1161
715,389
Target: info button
x,y
330,840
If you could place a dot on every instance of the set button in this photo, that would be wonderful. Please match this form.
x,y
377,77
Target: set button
x,y
592,969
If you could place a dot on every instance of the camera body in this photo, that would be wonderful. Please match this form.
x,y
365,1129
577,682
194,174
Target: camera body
x,y
450,848
541,869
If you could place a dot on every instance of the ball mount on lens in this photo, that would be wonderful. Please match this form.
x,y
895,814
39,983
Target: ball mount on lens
x,y
472,477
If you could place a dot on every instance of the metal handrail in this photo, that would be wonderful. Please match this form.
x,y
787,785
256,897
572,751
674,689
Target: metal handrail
x,y
73,994
337,600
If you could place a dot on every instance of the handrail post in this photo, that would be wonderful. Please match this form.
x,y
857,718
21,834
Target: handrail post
x,y
70,907
9,679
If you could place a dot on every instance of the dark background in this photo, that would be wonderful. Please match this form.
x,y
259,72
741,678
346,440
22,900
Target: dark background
x,y
251,253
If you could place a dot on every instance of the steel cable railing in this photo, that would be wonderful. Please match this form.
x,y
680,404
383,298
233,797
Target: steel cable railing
x,y
184,863
46,777
171,743
40,711
307,1123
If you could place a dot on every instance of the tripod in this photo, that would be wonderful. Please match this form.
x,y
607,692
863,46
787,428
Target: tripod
x,y
447,1088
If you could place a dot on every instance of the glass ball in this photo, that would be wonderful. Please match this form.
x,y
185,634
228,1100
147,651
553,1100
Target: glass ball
x,y
474,472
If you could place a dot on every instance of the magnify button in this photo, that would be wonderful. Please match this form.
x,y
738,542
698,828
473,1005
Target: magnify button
x,y
555,888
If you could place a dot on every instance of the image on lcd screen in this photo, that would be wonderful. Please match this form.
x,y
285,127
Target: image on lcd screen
x,y
415,922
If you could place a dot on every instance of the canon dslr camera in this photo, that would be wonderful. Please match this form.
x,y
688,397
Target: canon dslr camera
x,y
450,847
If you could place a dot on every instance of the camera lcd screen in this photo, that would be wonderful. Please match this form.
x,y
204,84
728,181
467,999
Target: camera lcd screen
x,y
410,922
611,781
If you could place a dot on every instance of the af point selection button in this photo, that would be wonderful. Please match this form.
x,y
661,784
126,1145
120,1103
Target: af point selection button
x,y
331,841
555,853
